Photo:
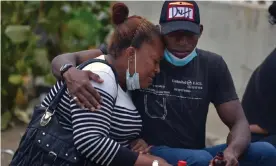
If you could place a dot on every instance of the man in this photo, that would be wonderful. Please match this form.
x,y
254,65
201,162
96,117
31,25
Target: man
x,y
174,109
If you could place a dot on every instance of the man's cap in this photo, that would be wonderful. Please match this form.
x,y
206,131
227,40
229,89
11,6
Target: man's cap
x,y
180,15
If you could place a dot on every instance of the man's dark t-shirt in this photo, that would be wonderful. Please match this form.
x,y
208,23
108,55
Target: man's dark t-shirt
x,y
259,100
174,108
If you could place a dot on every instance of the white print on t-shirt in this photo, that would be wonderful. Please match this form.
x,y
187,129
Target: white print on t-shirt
x,y
162,104
159,86
167,93
191,90
189,85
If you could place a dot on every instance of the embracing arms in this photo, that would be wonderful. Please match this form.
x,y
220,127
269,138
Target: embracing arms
x,y
78,82
74,58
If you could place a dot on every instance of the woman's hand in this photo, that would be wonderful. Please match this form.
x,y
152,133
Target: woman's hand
x,y
254,128
80,88
139,145
147,160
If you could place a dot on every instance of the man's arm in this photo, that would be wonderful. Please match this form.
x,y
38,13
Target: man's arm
x,y
78,81
74,58
230,111
232,115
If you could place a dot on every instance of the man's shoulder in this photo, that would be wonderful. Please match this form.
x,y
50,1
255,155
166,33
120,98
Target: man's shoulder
x,y
209,57
208,54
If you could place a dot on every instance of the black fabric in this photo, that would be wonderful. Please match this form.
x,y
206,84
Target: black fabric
x,y
39,142
259,100
103,48
169,27
272,9
174,108
50,144
127,155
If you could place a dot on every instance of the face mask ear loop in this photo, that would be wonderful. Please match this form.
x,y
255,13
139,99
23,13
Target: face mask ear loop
x,y
135,61
128,64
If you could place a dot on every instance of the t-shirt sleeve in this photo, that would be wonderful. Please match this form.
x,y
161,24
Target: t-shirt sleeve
x,y
91,129
224,89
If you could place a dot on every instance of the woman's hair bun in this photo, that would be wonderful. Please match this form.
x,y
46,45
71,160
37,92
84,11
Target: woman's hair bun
x,y
119,13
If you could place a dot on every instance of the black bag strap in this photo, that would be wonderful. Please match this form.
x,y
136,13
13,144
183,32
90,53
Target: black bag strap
x,y
103,48
55,101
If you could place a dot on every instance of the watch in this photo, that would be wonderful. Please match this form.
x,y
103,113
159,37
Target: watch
x,y
64,68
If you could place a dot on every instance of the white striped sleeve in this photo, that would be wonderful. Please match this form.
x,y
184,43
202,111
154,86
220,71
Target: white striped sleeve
x,y
91,129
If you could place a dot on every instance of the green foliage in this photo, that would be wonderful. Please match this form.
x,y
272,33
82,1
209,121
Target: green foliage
x,y
33,33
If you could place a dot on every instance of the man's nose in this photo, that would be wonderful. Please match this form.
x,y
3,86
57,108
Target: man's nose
x,y
183,40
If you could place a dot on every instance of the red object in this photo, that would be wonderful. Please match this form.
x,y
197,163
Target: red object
x,y
219,160
182,163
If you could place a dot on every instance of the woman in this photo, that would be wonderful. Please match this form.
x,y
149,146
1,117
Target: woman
x,y
103,136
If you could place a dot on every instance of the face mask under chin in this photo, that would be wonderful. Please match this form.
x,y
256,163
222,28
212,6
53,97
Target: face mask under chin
x,y
177,61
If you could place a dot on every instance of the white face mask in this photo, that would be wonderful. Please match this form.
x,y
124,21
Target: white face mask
x,y
132,82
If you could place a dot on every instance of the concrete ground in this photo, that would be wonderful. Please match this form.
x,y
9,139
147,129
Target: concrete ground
x,y
10,140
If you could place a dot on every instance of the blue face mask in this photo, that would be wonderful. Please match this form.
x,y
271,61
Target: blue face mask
x,y
132,82
179,62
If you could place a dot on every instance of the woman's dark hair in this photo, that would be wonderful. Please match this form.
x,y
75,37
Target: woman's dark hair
x,y
129,31
272,12
272,9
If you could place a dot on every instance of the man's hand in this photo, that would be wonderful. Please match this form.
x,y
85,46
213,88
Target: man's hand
x,y
230,158
139,145
80,88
